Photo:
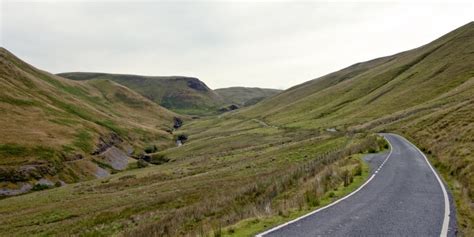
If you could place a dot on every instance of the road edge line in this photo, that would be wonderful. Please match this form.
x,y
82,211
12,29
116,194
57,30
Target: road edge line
x,y
447,208
333,203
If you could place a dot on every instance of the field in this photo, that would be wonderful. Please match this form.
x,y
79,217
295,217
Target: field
x,y
218,178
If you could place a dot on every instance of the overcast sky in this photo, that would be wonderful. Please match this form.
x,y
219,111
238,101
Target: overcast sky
x,y
265,44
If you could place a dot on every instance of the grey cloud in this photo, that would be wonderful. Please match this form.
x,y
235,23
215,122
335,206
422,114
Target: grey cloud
x,y
276,44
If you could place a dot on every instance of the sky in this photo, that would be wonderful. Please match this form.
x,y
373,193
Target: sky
x,y
241,43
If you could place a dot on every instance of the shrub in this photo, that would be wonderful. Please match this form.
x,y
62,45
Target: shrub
x,y
159,159
358,170
218,231
38,187
346,177
151,149
142,163
311,199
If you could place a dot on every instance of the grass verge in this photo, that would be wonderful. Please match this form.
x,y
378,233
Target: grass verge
x,y
253,226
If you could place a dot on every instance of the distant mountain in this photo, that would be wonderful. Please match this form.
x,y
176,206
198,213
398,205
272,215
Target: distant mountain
x,y
186,95
58,130
245,96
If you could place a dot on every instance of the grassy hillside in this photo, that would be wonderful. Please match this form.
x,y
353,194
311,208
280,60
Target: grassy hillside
x,y
61,130
185,95
373,89
425,94
245,96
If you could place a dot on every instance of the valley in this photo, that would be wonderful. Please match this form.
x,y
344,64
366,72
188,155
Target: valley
x,y
98,152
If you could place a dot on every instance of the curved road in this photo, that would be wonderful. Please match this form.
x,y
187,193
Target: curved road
x,y
403,197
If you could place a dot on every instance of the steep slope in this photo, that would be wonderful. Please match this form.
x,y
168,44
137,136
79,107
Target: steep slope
x,y
245,96
185,95
380,86
59,130
425,94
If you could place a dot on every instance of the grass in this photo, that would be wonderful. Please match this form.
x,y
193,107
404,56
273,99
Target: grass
x,y
18,102
112,126
185,194
11,150
83,141
15,153
253,226
244,96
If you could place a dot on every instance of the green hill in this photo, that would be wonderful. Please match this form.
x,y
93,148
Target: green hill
x,y
185,95
425,94
245,96
65,131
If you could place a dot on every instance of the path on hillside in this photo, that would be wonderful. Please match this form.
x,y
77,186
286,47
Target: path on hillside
x,y
402,198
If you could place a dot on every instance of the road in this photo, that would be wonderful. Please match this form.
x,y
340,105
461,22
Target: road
x,y
403,197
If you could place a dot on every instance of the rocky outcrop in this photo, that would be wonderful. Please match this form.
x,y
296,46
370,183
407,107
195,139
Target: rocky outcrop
x,y
105,142
177,122
196,84
24,188
26,172
101,173
181,139
72,157
229,108
116,158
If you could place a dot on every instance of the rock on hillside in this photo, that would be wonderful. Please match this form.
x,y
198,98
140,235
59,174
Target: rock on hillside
x,y
63,130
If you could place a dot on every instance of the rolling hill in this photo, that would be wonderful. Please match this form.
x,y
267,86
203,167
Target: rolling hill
x,y
425,94
57,130
186,95
245,96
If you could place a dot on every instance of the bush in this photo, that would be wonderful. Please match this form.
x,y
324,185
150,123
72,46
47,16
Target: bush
x,y
159,159
218,231
346,176
311,199
358,170
39,187
142,163
151,149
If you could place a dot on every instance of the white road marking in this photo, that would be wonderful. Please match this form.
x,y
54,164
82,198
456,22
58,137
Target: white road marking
x,y
444,229
331,204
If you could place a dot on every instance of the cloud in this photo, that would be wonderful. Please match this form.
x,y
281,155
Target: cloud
x,y
277,44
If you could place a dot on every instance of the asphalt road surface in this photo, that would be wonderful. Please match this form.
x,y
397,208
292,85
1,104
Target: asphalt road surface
x,y
403,197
